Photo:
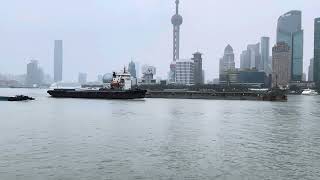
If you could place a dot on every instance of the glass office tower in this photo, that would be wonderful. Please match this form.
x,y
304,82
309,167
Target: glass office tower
x,y
289,30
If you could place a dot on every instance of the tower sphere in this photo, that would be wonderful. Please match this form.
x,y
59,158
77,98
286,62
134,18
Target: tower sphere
x,y
176,20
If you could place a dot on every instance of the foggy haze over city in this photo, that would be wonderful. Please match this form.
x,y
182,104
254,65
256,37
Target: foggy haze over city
x,y
103,36
159,89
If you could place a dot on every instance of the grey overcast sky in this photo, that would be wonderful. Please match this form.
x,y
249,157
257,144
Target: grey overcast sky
x,y
103,35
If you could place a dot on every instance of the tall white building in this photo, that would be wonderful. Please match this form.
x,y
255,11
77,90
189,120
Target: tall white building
x,y
185,72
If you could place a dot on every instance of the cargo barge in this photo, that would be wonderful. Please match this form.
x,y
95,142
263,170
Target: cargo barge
x,y
97,94
272,95
116,87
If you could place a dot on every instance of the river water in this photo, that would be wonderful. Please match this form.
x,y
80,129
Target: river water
x,y
75,139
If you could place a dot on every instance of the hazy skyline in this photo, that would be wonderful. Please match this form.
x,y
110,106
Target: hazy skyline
x,y
101,36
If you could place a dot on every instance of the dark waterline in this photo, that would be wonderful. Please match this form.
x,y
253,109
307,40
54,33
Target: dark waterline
x,y
158,139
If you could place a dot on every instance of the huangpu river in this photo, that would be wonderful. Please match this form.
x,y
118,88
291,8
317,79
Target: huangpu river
x,y
79,139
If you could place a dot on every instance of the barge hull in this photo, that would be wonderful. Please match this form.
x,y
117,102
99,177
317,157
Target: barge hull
x,y
130,94
215,96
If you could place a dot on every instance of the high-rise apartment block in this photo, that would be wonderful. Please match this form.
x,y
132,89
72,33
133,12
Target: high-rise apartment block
x,y
185,72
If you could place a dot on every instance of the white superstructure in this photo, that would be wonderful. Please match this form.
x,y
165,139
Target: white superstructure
x,y
121,80
309,92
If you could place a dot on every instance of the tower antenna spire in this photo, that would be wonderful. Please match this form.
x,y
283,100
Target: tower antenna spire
x,y
177,6
176,22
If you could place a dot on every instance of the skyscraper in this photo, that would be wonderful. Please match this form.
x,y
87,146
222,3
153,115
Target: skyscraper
x,y
281,65
264,54
290,31
58,60
254,55
226,63
316,65
198,76
34,74
310,72
245,60
132,69
176,21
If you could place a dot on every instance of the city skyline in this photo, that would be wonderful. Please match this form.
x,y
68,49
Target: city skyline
x,y
92,43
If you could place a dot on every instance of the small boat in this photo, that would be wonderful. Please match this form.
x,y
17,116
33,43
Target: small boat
x,y
4,98
309,92
16,98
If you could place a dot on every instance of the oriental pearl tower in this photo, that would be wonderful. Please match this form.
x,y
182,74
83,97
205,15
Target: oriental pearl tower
x,y
176,21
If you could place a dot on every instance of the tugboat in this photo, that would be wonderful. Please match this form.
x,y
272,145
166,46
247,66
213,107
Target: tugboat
x,y
275,94
16,98
116,87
